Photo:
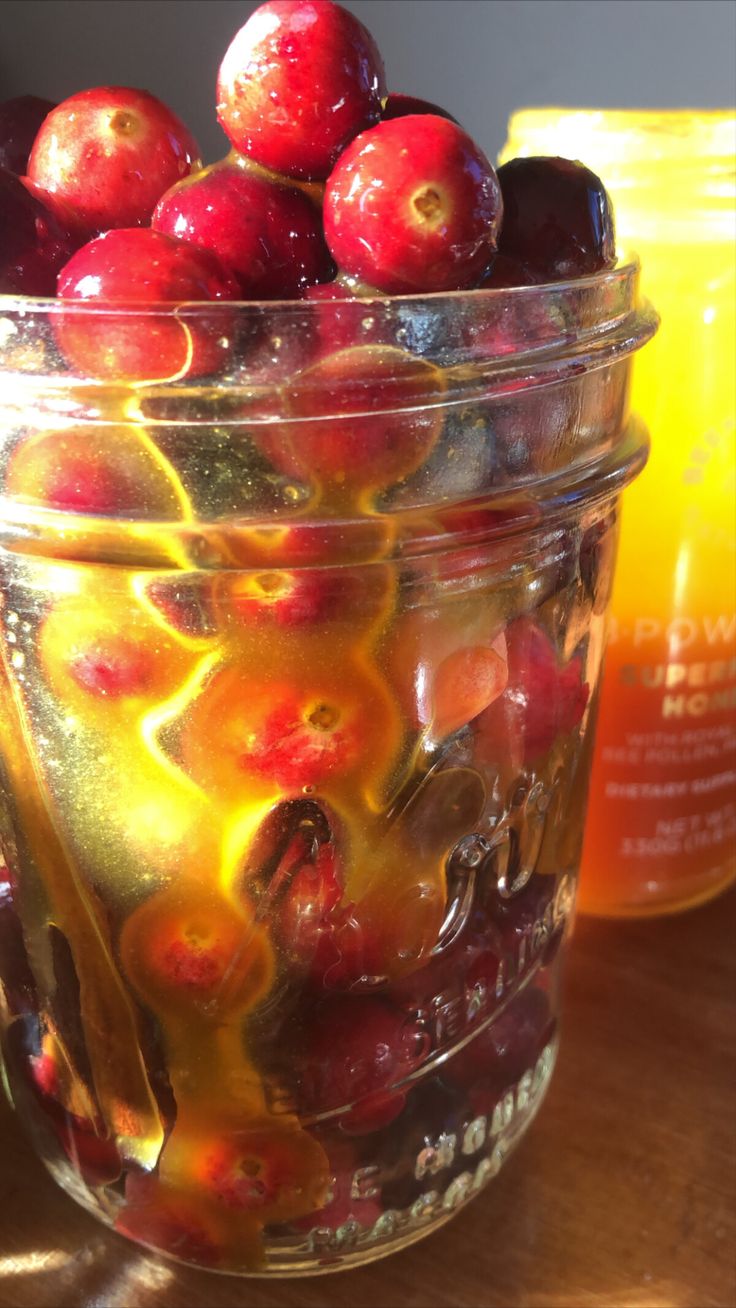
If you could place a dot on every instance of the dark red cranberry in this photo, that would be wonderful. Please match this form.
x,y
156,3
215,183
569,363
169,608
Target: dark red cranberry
x,y
144,267
413,205
398,106
504,1050
33,244
355,1051
298,82
542,699
269,236
185,603
110,153
94,1156
63,212
20,120
507,272
526,924
557,218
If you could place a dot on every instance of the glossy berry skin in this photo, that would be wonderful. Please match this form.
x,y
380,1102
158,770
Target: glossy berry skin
x,y
63,212
298,82
413,205
268,236
143,267
20,121
398,106
111,153
558,219
33,244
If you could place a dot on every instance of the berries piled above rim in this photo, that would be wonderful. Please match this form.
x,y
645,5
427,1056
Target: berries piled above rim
x,y
331,180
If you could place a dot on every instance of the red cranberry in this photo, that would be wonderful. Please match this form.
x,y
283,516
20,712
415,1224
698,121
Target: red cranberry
x,y
189,953
61,471
110,153
384,427
399,106
268,236
298,82
173,1225
355,1051
557,218
114,667
541,702
144,267
295,738
20,120
291,599
33,244
63,212
413,205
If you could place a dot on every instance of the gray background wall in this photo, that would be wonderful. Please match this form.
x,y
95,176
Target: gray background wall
x,y
481,58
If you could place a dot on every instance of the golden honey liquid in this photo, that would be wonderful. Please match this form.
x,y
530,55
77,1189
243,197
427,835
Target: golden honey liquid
x,y
661,829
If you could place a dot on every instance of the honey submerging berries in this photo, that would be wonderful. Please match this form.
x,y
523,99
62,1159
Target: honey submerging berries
x,y
309,470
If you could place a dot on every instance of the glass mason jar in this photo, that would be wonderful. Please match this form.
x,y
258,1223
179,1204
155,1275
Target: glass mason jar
x,y
661,828
303,613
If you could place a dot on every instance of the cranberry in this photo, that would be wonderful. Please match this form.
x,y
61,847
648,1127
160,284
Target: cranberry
x,y
504,1050
33,244
557,218
20,120
94,1156
298,82
171,1227
291,599
383,425
507,271
144,267
295,738
114,667
465,683
187,951
50,470
355,1050
239,1166
399,106
185,603
541,702
268,236
167,1222
262,1171
115,475
63,213
526,923
413,205
110,153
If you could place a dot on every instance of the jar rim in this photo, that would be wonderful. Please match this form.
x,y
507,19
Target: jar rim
x,y
627,267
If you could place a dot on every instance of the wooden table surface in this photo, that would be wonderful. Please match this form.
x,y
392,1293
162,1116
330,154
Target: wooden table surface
x,y
622,1195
